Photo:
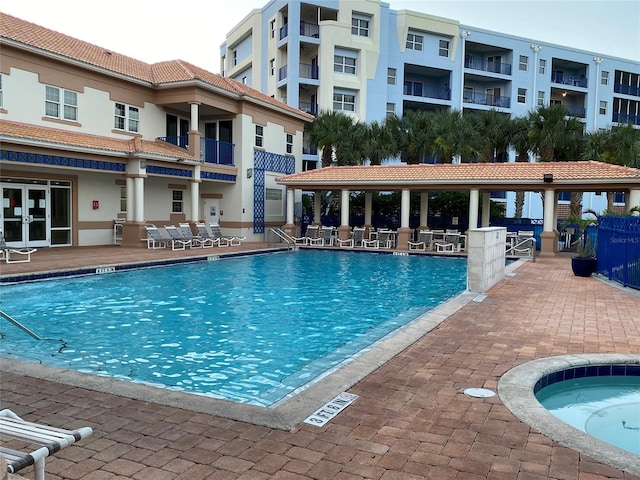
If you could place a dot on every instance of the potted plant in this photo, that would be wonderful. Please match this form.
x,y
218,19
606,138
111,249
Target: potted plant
x,y
584,262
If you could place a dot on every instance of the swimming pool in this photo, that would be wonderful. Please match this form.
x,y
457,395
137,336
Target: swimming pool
x,y
251,329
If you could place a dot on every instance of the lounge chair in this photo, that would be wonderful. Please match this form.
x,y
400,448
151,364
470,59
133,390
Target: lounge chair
x,y
155,240
313,235
449,244
231,239
6,251
196,240
387,239
423,242
355,240
326,235
372,241
51,440
207,235
177,239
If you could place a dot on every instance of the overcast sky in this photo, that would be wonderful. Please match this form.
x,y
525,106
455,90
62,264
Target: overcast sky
x,y
192,30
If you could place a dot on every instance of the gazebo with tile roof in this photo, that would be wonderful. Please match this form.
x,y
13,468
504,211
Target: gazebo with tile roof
x,y
547,177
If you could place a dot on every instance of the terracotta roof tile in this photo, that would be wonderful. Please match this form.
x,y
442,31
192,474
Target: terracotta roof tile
x,y
29,34
21,132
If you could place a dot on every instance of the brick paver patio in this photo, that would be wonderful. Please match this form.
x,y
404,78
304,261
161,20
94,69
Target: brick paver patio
x,y
411,420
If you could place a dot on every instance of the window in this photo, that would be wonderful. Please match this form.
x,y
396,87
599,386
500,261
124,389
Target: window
x,y
360,25
542,67
523,63
272,28
391,109
345,102
443,48
541,99
272,67
273,194
391,76
522,95
259,135
603,107
619,198
413,88
564,196
177,201
289,143
604,78
234,58
344,64
123,199
244,80
61,103
415,41
126,118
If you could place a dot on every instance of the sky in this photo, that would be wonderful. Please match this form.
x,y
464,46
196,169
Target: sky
x,y
192,30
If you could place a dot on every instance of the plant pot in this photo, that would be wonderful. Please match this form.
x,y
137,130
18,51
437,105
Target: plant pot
x,y
583,266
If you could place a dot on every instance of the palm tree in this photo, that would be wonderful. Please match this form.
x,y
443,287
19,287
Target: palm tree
x,y
518,137
624,146
381,141
453,135
491,133
414,134
326,131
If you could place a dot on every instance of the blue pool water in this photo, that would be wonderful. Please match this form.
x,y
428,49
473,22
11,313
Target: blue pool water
x,y
248,329
606,407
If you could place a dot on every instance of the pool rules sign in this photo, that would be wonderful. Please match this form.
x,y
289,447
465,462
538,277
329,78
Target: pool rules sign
x,y
331,409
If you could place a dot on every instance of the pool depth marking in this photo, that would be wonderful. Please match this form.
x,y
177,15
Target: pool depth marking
x,y
321,416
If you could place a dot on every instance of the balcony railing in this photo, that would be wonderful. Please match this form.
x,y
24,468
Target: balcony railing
x,y
284,31
308,107
626,89
182,141
487,66
569,80
216,151
308,149
282,73
489,100
579,112
417,89
625,118
309,71
310,30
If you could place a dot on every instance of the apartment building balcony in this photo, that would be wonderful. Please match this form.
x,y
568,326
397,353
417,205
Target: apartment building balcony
x,y
305,70
569,73
310,30
488,100
573,101
570,80
491,65
419,89
626,89
308,149
626,118
211,151
308,107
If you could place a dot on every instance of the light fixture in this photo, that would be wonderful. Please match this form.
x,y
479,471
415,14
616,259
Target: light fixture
x,y
249,172
547,177
564,94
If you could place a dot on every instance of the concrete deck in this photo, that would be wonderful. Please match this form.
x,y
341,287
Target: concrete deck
x,y
411,420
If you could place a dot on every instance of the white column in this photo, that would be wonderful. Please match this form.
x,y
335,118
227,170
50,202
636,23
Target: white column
x,y
486,209
344,208
195,194
130,199
194,117
290,201
463,34
474,201
317,207
405,208
424,209
549,208
368,207
534,94
139,199
633,199
596,100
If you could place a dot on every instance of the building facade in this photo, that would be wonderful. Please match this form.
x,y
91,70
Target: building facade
x,y
367,60
94,142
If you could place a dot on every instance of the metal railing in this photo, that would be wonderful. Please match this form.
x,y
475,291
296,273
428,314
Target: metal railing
x,y
474,63
618,249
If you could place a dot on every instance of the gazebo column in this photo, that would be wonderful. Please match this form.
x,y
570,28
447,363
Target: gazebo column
x,y
404,232
195,194
486,209
368,209
344,230
317,207
549,235
134,228
633,199
474,200
290,227
424,211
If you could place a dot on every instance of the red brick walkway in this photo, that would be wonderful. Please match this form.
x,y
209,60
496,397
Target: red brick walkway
x,y
411,420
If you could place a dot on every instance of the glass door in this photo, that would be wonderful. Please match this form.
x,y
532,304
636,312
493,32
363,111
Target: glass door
x,y
25,215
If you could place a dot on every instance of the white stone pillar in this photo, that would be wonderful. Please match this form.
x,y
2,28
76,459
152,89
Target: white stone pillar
x,y
139,199
344,208
195,194
486,209
548,214
405,208
194,117
633,199
474,201
317,207
130,199
424,209
368,207
290,203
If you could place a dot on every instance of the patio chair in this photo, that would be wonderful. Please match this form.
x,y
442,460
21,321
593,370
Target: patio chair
x,y
196,240
51,440
372,241
177,239
449,244
326,234
387,238
423,242
208,236
155,240
6,251
315,237
231,239
354,239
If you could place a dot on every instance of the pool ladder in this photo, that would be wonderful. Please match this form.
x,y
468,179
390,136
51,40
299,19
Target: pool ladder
x,y
22,327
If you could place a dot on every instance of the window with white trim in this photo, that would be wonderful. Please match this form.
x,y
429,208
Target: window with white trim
x,y
392,76
123,199
259,135
360,25
391,109
177,201
234,58
523,63
541,99
344,64
415,41
522,95
344,101
272,67
272,28
443,48
604,78
126,118
542,66
289,145
61,103
603,107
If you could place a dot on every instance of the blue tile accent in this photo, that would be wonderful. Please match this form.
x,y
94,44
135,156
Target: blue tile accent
x,y
588,371
54,160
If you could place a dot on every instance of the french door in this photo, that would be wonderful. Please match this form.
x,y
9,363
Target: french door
x,y
25,215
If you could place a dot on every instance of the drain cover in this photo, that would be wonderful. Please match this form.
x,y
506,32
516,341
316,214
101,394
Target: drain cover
x,y
479,392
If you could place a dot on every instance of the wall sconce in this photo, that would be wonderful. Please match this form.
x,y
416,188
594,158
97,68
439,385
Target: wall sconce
x,y
547,178
564,94
249,172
